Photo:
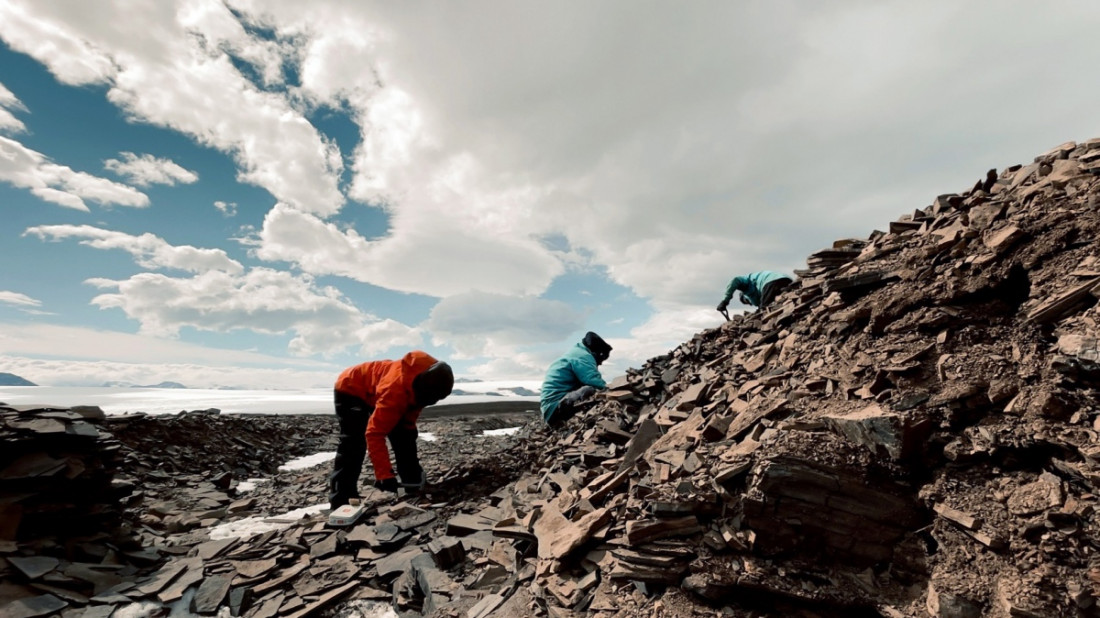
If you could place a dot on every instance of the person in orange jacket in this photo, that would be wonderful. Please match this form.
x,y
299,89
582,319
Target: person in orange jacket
x,y
378,400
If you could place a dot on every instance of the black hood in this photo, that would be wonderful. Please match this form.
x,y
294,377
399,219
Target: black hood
x,y
597,346
433,384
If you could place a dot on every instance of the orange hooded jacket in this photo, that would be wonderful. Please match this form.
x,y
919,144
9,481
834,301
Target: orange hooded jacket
x,y
387,386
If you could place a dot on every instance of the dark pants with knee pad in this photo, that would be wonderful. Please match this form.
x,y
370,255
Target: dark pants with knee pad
x,y
771,290
572,403
353,414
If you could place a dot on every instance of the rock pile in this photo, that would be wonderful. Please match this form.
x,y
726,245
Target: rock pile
x,y
909,430
59,499
57,471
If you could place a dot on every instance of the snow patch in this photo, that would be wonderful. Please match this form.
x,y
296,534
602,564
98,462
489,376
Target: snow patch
x,y
427,436
251,526
301,463
144,609
366,609
249,484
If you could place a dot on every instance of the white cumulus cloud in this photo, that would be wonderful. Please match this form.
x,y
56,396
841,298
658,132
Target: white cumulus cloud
x,y
223,296
755,136
437,257
514,366
377,337
229,209
169,64
666,328
261,300
476,323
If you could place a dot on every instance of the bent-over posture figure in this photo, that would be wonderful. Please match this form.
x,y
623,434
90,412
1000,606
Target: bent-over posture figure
x,y
758,289
379,400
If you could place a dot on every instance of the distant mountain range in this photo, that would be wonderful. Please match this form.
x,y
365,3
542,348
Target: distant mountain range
x,y
10,379
117,384
459,391
504,391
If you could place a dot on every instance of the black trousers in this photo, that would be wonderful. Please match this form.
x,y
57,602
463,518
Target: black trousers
x,y
569,405
771,290
353,414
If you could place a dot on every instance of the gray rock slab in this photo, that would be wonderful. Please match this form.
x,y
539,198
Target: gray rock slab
x,y
30,607
34,567
210,594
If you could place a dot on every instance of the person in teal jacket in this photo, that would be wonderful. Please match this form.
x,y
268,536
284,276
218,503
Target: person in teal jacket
x,y
573,378
758,289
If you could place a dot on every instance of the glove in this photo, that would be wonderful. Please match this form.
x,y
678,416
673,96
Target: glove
x,y
389,484
722,305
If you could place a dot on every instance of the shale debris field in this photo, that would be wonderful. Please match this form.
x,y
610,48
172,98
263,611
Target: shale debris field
x,y
909,430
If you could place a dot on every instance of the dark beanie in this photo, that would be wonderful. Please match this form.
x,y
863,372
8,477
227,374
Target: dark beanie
x,y
597,346
433,384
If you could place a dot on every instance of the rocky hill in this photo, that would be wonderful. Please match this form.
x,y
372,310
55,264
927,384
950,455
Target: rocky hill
x,y
910,430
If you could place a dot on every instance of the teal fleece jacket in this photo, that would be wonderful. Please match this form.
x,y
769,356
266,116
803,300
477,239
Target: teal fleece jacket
x,y
752,285
574,369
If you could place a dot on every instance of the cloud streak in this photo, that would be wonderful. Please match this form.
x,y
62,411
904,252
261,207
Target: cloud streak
x,y
149,251
27,169
43,341
8,297
144,170
8,102
94,357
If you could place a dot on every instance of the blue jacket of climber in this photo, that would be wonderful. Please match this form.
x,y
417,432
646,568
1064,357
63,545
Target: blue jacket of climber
x,y
571,374
757,289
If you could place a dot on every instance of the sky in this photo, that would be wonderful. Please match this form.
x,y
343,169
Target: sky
x,y
258,194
